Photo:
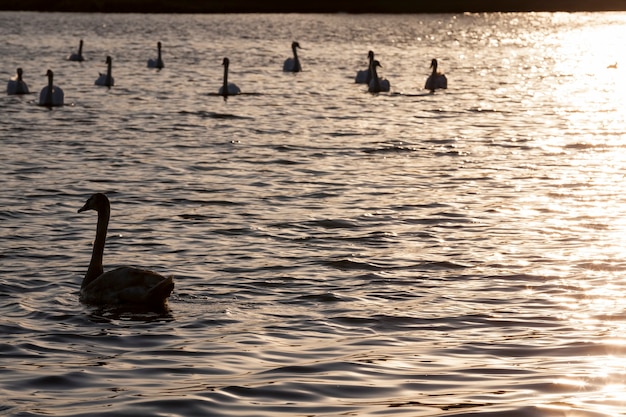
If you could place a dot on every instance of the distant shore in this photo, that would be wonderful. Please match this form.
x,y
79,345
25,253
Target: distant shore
x,y
315,6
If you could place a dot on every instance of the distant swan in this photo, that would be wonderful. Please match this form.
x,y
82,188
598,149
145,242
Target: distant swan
x,y
79,55
436,80
364,76
17,85
158,62
227,89
293,64
106,80
377,84
124,285
51,95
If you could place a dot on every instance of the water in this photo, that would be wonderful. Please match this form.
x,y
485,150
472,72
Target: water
x,y
334,252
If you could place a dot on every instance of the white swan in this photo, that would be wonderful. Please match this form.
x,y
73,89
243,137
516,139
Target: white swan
x,y
17,85
436,80
364,76
122,286
293,64
107,79
377,84
78,56
51,95
227,89
158,62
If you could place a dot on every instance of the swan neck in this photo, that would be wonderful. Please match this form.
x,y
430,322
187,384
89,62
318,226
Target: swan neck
x,y
225,78
80,48
95,265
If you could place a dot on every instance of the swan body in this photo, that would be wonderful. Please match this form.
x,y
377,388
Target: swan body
x,y
293,64
51,95
17,85
158,62
435,80
106,80
78,56
227,89
121,286
377,85
365,76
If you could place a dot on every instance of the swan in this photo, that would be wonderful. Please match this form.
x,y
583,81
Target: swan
x,y
124,285
158,62
436,80
376,84
293,64
79,55
51,95
227,89
106,79
364,76
17,85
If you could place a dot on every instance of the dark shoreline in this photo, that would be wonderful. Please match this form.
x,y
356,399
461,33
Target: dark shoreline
x,y
315,6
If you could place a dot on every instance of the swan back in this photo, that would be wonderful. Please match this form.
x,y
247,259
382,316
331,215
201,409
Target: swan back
x,y
51,95
158,62
17,85
78,56
121,286
365,76
107,79
293,64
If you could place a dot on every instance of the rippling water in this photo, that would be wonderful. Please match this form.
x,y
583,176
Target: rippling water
x,y
334,252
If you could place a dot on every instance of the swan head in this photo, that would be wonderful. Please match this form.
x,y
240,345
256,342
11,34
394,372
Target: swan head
x,y
433,63
159,44
19,72
376,63
49,74
96,202
108,60
225,62
370,55
295,45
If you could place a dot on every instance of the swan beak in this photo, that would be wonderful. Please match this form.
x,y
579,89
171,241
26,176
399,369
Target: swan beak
x,y
83,208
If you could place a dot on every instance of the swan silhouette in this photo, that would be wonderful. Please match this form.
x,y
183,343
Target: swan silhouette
x,y
293,64
435,80
106,80
51,95
227,89
158,62
17,85
124,285
78,56
364,76
377,84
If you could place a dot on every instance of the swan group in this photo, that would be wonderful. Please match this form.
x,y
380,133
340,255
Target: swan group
x,y
293,64
158,62
123,286
17,85
51,95
106,79
435,80
227,89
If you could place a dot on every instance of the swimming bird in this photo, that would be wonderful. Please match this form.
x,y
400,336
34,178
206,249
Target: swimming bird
x,y
125,285
79,55
227,89
436,80
51,95
17,85
158,62
377,84
364,76
106,80
293,64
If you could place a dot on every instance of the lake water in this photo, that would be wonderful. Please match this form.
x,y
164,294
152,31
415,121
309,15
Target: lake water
x,y
335,252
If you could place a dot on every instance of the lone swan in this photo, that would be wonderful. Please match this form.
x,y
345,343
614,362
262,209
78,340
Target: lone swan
x,y
122,286
293,64
158,62
377,84
107,79
77,56
227,89
436,80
